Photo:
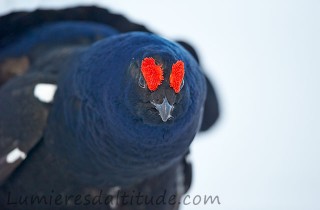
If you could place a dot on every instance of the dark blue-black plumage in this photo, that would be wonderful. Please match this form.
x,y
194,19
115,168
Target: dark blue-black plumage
x,y
101,131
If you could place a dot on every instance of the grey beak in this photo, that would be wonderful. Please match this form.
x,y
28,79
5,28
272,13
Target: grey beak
x,y
164,109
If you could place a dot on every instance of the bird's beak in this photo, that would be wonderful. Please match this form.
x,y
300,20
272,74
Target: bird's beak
x,y
164,109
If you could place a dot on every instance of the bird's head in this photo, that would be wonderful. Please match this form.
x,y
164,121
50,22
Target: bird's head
x,y
158,81
142,78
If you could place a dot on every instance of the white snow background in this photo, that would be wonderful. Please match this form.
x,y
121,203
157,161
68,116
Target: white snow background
x,y
264,58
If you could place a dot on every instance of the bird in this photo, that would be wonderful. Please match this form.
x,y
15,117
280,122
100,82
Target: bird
x,y
97,112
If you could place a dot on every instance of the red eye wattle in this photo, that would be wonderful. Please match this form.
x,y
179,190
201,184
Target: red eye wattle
x,y
176,77
152,73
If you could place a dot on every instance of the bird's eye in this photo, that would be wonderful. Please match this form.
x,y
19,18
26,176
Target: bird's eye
x,y
142,82
177,75
182,84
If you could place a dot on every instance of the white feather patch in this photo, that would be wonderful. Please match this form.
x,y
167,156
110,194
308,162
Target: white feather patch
x,y
113,192
45,92
188,158
14,155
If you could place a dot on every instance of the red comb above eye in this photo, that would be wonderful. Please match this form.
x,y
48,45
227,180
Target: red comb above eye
x,y
152,73
176,77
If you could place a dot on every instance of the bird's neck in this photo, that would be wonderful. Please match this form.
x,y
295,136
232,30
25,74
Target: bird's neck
x,y
109,149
